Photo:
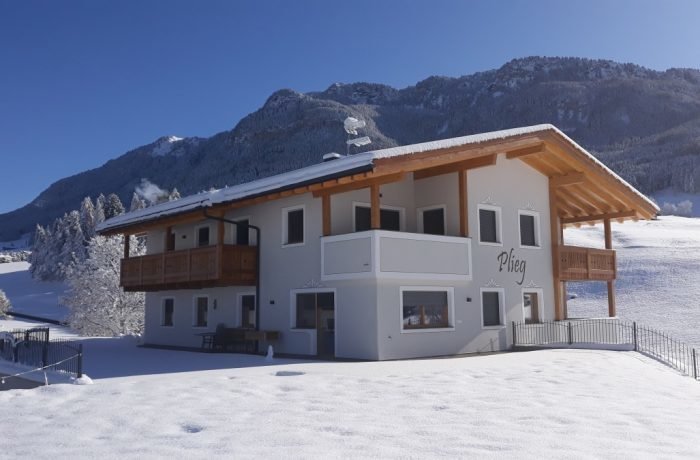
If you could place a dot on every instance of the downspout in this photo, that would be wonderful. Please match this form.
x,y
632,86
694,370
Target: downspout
x,y
257,268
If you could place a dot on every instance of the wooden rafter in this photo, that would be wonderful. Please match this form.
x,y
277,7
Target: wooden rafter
x,y
600,217
359,184
525,151
568,179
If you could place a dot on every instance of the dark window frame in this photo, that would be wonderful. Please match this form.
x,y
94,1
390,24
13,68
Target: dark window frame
x,y
496,225
201,319
168,319
535,227
384,218
423,310
294,236
499,309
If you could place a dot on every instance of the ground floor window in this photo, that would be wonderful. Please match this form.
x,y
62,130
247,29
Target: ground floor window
x,y
201,311
248,310
492,307
167,313
310,305
425,308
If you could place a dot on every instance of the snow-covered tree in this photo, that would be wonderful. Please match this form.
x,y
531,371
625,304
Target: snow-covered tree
x,y
4,303
37,257
87,218
98,305
113,206
174,195
100,209
136,202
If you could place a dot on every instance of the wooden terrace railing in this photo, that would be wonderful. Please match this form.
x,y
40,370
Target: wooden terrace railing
x,y
210,266
586,264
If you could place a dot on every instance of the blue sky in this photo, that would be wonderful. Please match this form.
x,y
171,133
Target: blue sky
x,y
82,82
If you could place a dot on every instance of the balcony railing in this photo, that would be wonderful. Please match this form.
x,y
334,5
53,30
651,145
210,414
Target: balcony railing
x,y
586,264
211,266
399,255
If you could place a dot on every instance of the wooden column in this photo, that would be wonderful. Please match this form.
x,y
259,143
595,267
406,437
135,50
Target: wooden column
x,y
326,214
375,214
611,284
555,235
463,204
127,242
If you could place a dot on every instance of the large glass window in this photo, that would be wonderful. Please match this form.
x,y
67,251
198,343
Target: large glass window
x,y
201,311
491,308
307,305
168,311
242,232
489,229
389,219
425,309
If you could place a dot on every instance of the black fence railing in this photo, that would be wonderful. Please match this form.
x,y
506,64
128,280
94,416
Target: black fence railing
x,y
32,347
612,334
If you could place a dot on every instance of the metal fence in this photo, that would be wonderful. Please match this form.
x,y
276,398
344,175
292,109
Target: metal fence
x,y
610,334
32,347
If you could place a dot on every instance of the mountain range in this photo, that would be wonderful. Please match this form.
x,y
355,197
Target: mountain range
x,y
644,124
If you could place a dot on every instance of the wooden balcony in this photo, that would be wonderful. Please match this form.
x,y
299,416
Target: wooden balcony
x,y
586,264
211,266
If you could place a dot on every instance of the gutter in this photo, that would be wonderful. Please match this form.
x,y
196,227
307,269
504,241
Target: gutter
x,y
257,267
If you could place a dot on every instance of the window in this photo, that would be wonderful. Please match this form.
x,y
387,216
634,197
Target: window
x,y
170,242
529,223
531,307
425,308
307,306
293,226
492,307
201,311
489,225
168,310
203,236
242,232
247,310
389,219
432,220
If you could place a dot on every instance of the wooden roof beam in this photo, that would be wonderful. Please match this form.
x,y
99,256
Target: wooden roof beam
x,y
359,184
472,163
600,217
568,179
525,151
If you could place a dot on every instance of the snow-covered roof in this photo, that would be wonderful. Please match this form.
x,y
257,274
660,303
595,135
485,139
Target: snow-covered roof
x,y
335,168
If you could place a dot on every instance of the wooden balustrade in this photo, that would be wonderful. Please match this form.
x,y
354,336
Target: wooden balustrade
x,y
210,266
586,264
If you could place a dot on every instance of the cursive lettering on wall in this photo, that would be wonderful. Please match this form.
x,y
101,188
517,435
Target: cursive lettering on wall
x,y
509,262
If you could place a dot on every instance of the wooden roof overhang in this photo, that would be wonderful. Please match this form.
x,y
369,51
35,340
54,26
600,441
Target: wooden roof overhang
x,y
584,190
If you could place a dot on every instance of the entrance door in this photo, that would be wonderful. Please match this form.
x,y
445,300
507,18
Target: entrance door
x,y
531,307
247,311
325,324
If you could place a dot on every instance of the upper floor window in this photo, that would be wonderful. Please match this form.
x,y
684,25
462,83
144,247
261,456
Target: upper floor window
x,y
242,232
432,220
489,224
203,236
293,225
529,223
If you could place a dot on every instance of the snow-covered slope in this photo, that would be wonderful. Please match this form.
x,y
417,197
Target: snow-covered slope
x,y
30,296
658,275
544,404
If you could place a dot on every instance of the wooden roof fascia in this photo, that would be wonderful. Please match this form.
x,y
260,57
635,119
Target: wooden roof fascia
x,y
472,163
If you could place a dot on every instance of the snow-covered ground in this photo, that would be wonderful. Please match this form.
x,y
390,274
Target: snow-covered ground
x,y
658,281
30,296
544,404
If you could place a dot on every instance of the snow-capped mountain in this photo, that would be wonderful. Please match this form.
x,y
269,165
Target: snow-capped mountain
x,y
645,124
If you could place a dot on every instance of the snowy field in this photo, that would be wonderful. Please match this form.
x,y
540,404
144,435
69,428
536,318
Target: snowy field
x,y
30,296
658,281
544,404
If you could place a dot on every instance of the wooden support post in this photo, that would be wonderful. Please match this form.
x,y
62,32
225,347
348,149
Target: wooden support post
x,y
611,284
375,215
127,242
463,204
326,214
556,237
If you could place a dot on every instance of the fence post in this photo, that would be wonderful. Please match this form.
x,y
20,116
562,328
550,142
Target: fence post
x,y
695,366
571,335
634,329
515,335
80,360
